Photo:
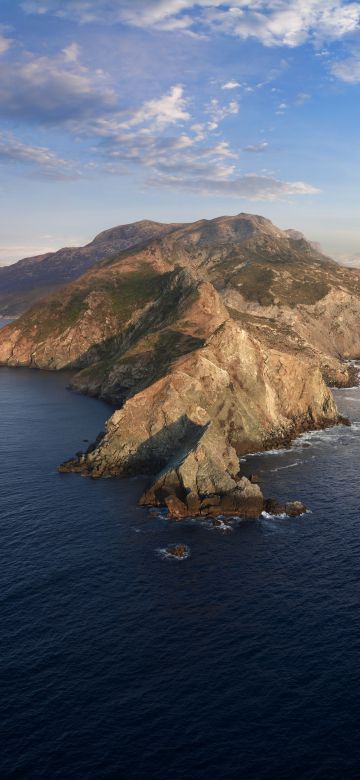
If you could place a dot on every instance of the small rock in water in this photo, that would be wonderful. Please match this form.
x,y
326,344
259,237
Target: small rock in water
x,y
179,551
254,478
291,508
295,508
274,507
223,525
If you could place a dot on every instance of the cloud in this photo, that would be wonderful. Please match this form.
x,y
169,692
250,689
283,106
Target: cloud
x,y
257,148
231,85
273,22
5,41
166,110
218,113
188,162
301,98
348,70
251,186
42,160
160,139
5,44
52,89
152,116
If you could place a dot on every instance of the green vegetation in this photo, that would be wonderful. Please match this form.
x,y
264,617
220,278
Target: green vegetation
x,y
132,291
254,282
308,291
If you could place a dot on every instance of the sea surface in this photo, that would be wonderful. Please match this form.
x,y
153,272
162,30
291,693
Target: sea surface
x,y
240,662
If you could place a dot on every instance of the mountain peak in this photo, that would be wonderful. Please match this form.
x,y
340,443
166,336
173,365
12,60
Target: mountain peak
x,y
28,280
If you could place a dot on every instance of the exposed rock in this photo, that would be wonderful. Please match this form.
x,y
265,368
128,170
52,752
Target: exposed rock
x,y
344,421
177,509
290,508
274,507
295,508
215,339
179,551
221,523
243,501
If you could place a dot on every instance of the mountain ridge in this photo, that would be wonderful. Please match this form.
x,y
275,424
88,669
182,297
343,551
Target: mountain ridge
x,y
219,338
28,280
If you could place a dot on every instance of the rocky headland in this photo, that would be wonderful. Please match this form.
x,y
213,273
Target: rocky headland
x,y
214,339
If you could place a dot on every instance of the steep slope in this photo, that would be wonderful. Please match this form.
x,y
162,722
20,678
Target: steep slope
x,y
28,280
215,340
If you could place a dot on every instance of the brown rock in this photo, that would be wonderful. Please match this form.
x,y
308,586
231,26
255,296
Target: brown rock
x,y
273,507
246,501
210,501
295,508
179,551
177,509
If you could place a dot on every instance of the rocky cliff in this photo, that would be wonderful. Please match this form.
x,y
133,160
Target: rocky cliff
x,y
215,340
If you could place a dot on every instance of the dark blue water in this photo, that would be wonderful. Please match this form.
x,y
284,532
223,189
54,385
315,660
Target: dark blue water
x,y
240,662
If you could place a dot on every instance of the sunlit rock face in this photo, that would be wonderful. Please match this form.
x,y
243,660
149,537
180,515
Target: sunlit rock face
x,y
219,338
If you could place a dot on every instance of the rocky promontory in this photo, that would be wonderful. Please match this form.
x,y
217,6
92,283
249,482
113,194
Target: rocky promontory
x,y
215,340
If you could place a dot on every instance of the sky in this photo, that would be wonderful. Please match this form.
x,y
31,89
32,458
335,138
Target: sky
x,y
113,111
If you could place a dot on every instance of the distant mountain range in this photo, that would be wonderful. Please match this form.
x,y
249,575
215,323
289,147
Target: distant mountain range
x,y
214,338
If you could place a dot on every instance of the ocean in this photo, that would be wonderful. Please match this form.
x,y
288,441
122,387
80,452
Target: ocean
x,y
240,662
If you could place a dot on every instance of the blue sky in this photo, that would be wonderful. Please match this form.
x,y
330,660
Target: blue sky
x,y
117,110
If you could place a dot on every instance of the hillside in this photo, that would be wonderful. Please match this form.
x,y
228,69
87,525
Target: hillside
x,y
217,339
27,281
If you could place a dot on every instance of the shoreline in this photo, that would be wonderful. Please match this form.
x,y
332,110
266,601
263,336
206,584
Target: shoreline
x,y
211,506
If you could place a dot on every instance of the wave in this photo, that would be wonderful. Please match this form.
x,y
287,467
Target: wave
x,y
289,466
283,515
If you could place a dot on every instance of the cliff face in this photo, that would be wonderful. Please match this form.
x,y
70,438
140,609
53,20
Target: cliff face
x,y
214,341
229,397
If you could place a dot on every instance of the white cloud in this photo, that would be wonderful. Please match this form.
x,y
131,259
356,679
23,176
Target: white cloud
x,y
250,186
153,116
257,148
5,41
231,85
186,162
71,53
5,44
152,138
272,22
166,110
52,89
347,70
218,113
41,159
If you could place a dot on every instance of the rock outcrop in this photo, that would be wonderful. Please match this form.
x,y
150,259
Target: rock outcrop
x,y
214,341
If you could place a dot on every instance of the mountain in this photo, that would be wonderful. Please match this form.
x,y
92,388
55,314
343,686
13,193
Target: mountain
x,y
219,338
29,280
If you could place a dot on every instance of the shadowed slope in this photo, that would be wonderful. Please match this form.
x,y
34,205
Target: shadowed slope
x,y
229,324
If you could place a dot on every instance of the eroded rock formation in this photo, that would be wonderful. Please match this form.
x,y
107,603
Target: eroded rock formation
x,y
216,340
